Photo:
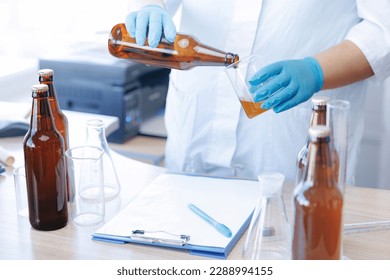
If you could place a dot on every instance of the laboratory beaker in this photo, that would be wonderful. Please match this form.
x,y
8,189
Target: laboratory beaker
x,y
269,233
86,191
239,74
337,120
96,137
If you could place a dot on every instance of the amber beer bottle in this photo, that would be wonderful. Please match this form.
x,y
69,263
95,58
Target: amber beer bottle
x,y
43,148
184,53
46,76
318,204
318,117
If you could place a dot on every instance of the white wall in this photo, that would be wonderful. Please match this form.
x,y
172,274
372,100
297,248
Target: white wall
x,y
31,29
373,169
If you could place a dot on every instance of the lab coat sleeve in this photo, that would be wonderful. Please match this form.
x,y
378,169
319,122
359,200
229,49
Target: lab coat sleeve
x,y
372,35
135,5
170,5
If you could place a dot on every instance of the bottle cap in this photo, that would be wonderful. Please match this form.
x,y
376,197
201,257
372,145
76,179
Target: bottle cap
x,y
320,100
319,131
45,72
40,89
231,58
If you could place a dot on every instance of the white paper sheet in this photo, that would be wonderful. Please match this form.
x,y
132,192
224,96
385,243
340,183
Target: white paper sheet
x,y
162,206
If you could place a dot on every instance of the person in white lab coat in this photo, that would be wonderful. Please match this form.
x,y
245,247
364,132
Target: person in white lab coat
x,y
333,46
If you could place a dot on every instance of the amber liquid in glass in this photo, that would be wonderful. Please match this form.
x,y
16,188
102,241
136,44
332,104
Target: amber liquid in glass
x,y
45,169
252,109
186,51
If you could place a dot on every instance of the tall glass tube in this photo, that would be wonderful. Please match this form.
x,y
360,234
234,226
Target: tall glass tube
x,y
337,120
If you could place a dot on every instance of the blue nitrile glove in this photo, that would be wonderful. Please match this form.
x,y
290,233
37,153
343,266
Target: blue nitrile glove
x,y
290,82
154,17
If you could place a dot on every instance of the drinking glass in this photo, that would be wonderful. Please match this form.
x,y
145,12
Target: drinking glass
x,y
239,74
86,188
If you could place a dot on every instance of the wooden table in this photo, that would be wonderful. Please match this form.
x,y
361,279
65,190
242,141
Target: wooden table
x,y
20,241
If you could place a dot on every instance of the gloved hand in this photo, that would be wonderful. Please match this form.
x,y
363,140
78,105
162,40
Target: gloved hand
x,y
157,19
290,82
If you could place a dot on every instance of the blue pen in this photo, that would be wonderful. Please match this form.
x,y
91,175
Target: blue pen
x,y
218,226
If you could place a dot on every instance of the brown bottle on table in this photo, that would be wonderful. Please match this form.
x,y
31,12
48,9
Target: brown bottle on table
x,y
46,76
184,53
318,117
43,148
318,204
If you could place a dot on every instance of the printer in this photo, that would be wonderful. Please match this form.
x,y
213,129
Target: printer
x,y
92,81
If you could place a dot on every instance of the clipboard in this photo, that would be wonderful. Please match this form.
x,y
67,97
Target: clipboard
x,y
159,215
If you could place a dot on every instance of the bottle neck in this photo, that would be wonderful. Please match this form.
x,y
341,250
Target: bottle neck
x,y
41,117
52,93
231,58
318,116
319,170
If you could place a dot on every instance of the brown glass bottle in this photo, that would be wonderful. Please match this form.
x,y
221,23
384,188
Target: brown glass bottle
x,y
318,117
43,148
184,53
318,203
46,76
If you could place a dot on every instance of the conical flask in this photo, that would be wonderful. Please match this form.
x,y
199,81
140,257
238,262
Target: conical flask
x,y
96,137
269,234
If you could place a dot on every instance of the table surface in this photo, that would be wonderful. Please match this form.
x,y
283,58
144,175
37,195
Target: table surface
x,y
20,241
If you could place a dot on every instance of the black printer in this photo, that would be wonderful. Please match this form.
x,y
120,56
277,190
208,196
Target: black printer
x,y
95,82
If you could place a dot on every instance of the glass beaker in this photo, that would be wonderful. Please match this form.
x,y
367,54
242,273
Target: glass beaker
x,y
239,74
337,120
269,233
96,137
86,191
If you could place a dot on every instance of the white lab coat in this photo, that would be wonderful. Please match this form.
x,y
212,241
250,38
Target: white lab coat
x,y
208,132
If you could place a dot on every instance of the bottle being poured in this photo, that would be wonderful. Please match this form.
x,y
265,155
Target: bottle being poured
x,y
184,53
